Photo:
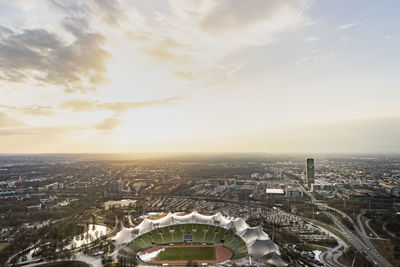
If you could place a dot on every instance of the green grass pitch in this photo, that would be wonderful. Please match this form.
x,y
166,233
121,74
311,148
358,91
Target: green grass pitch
x,y
187,254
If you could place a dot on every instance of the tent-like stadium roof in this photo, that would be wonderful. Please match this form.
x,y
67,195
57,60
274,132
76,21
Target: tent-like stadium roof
x,y
260,248
253,233
258,243
276,260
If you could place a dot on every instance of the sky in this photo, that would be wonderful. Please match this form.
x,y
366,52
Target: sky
x,y
274,76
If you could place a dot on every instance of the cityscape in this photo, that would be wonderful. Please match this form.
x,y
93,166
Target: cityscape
x,y
321,211
199,133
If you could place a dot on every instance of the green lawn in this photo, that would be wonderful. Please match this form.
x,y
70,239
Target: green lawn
x,y
3,246
65,264
187,254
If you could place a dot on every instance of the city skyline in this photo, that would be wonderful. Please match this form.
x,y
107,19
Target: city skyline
x,y
190,76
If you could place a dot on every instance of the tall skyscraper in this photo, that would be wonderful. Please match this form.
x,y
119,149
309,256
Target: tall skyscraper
x,y
309,171
116,187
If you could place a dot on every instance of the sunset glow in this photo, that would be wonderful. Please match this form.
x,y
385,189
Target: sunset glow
x,y
207,76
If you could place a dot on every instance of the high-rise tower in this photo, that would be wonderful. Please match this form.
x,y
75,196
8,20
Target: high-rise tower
x,y
309,171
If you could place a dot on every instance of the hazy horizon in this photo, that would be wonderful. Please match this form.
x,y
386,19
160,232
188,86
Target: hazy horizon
x,y
183,76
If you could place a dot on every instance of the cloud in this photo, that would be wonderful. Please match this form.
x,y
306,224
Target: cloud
x,y
164,54
6,121
41,132
311,39
123,106
13,127
346,26
185,75
159,53
110,11
231,73
40,55
236,15
116,107
78,105
18,131
5,32
109,123
25,5
189,33
86,105
73,59
119,107
200,34
33,110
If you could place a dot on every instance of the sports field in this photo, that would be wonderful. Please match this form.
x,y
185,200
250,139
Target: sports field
x,y
187,254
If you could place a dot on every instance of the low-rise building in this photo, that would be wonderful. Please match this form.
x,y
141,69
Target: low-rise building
x,y
34,208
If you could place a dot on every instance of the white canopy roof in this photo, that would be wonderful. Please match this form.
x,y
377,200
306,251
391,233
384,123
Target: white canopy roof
x,y
259,248
276,260
220,220
123,236
254,233
258,242
239,225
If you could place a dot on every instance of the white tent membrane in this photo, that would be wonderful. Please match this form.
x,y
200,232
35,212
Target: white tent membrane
x,y
239,225
259,248
146,225
221,220
253,233
124,236
276,260
259,245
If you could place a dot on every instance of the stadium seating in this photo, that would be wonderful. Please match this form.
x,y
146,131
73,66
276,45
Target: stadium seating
x,y
166,235
202,234
220,235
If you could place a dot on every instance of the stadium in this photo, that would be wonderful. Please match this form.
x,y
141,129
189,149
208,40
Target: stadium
x,y
196,239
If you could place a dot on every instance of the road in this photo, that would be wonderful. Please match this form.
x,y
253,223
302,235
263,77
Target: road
x,y
10,259
331,255
367,248
362,228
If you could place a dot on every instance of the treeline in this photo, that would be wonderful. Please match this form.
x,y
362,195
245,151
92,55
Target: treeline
x,y
72,221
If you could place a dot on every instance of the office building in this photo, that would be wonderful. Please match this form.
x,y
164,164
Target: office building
x,y
116,187
309,172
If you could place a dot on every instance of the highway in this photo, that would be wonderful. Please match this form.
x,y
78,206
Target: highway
x,y
331,255
371,254
367,249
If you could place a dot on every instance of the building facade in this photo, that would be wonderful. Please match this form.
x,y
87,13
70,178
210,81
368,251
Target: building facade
x,y
310,171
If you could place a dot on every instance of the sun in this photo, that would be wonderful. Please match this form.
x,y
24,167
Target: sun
x,y
151,124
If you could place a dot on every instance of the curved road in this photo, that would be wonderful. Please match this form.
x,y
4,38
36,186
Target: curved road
x,y
367,248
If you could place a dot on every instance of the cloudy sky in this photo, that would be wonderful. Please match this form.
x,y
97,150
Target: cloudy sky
x,y
208,76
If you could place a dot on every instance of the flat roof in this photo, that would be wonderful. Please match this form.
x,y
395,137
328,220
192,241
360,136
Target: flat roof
x,y
247,186
322,182
274,191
